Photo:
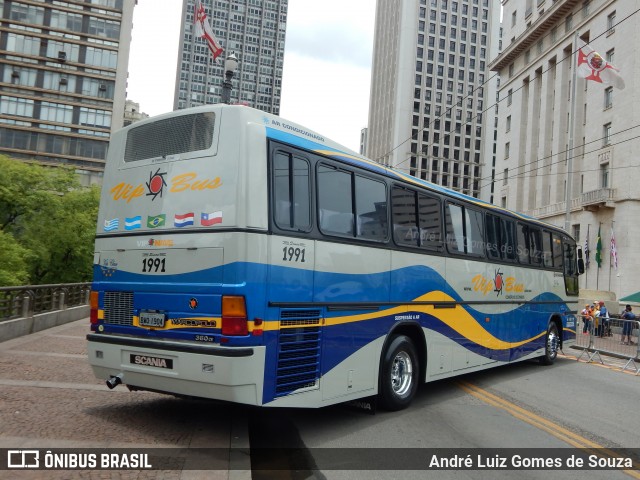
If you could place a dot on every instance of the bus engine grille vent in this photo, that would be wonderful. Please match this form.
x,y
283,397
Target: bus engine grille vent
x,y
299,356
118,308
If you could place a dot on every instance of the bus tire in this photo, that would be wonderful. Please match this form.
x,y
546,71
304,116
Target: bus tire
x,y
398,374
551,345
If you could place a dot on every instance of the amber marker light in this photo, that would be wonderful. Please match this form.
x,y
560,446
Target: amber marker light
x,y
234,316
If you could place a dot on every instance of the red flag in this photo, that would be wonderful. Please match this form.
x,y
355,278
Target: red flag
x,y
593,67
203,29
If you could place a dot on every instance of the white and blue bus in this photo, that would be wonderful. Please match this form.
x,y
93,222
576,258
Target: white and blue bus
x,y
245,258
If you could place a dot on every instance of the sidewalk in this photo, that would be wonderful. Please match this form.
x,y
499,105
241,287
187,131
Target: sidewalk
x,y
51,399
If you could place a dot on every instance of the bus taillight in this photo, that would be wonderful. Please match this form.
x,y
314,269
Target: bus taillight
x,y
234,316
93,306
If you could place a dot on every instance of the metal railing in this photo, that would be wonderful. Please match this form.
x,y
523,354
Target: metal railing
x,y
28,300
612,336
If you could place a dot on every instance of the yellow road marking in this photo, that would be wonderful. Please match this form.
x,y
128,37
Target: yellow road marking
x,y
541,423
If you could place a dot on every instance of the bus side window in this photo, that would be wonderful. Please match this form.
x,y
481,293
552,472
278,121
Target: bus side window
x,y
335,201
403,209
535,244
371,209
429,217
509,242
557,251
291,192
547,253
493,237
474,232
523,243
454,221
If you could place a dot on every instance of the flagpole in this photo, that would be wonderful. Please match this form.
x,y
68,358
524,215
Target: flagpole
x,y
598,242
610,262
586,270
574,76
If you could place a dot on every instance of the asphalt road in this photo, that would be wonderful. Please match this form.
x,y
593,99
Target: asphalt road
x,y
567,406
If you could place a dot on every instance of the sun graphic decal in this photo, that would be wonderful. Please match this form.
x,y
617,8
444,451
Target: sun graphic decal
x,y
498,282
156,184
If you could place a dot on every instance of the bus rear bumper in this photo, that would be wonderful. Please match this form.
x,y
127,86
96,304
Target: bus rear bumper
x,y
185,369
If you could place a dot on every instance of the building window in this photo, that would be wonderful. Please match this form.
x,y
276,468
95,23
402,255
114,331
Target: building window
x,y
604,175
508,123
568,23
505,177
610,55
513,18
606,134
585,9
608,97
510,96
511,70
611,22
506,149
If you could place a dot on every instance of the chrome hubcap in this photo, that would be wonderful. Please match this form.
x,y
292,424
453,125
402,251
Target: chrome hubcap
x,y
552,344
401,373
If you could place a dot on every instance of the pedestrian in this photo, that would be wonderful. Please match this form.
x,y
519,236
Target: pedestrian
x,y
586,319
595,315
604,320
628,316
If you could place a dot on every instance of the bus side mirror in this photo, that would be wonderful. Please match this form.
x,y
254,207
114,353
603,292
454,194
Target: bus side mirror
x,y
580,261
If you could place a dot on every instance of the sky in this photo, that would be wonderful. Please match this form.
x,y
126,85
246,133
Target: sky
x,y
327,63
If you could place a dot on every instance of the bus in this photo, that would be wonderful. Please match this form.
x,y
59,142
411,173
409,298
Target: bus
x,y
245,258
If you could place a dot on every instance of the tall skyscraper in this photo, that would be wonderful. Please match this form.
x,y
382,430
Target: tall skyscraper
x,y
429,88
253,30
63,68
562,135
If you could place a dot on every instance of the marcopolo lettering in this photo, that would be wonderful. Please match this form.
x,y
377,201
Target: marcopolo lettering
x,y
149,361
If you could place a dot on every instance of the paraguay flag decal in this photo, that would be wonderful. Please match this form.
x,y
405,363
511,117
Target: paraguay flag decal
x,y
183,220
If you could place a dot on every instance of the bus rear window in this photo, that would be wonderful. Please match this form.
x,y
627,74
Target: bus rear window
x,y
171,136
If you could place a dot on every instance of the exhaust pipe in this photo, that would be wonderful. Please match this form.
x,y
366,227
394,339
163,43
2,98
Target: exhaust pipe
x,y
114,381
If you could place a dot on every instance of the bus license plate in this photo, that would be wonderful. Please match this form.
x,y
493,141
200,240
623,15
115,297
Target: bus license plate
x,y
148,319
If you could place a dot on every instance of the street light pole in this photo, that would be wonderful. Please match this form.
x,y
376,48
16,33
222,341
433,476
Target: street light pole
x,y
230,66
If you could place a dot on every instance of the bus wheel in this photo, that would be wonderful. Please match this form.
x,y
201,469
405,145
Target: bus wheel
x,y
551,344
399,374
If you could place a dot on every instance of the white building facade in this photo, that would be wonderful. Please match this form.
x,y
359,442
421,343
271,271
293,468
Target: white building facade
x,y
430,88
539,122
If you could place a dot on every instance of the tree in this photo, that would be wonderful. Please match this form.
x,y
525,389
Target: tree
x,y
62,242
51,218
13,262
28,189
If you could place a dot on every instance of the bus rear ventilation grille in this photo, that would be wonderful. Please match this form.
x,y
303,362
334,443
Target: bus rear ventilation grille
x,y
118,308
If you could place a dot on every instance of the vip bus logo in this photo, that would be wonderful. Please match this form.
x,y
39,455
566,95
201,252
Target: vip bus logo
x,y
156,184
498,284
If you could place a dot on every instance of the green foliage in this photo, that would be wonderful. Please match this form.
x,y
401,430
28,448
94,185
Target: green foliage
x,y
51,218
13,262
